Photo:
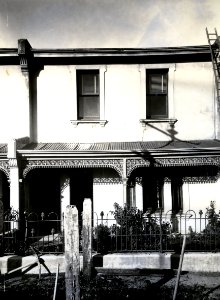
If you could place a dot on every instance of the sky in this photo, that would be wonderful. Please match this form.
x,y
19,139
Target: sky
x,y
107,23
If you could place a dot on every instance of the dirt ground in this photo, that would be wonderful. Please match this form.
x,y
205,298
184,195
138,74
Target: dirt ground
x,y
102,287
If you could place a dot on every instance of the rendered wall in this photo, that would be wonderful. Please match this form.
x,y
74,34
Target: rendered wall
x,y
14,106
191,97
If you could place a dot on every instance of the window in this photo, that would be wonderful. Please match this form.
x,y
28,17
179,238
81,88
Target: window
x,y
156,93
88,95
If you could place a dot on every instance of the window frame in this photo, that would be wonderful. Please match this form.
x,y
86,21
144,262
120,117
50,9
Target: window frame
x,y
93,95
102,69
143,90
150,95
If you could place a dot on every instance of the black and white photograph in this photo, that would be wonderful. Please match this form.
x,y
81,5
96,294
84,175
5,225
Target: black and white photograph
x,y
110,149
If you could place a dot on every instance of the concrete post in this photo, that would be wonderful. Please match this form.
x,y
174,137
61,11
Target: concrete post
x,y
87,238
72,261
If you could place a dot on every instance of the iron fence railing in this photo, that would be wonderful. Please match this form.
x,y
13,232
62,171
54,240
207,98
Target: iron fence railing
x,y
44,232
10,239
158,232
21,233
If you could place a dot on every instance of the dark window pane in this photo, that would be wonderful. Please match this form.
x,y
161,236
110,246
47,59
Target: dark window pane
x,y
88,94
89,107
156,98
89,84
157,106
157,84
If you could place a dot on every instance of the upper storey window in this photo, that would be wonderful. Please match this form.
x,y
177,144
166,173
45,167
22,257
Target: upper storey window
x,y
88,95
156,93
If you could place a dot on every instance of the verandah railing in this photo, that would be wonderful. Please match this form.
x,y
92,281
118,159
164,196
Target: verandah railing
x,y
160,232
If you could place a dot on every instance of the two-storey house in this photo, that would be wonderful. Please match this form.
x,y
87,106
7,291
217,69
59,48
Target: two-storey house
x,y
134,126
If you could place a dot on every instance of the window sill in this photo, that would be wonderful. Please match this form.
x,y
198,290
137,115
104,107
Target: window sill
x,y
102,123
170,121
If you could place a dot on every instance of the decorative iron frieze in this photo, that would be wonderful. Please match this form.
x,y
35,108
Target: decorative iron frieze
x,y
65,184
107,180
133,163
201,179
116,164
196,179
188,161
4,167
12,162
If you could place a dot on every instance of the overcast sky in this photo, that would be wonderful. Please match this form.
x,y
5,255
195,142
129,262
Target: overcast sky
x,y
107,23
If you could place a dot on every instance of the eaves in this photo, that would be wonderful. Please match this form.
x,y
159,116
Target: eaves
x,y
109,55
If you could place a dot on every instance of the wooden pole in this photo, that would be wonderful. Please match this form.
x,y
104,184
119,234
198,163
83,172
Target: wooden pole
x,y
55,287
180,267
72,261
87,238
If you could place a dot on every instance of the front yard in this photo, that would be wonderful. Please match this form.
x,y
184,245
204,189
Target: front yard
x,y
195,286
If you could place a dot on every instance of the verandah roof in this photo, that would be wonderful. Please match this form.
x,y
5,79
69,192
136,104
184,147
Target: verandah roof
x,y
110,154
125,146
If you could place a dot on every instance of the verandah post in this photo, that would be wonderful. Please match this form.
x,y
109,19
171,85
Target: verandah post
x,y
72,260
1,216
87,238
1,227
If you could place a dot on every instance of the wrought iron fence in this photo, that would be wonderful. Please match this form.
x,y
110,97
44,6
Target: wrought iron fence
x,y
157,232
10,238
22,233
114,232
45,232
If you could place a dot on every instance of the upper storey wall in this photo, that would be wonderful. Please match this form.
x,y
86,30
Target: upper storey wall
x,y
14,106
123,104
191,101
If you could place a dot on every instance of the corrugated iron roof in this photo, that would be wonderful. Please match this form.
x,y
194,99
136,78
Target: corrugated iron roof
x,y
124,146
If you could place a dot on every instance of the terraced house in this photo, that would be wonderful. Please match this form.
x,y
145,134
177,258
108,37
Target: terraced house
x,y
140,127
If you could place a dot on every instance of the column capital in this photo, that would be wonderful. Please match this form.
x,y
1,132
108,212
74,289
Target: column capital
x,y
12,162
26,59
25,54
125,180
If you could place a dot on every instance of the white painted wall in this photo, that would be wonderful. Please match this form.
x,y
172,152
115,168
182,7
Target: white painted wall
x,y
199,195
14,107
194,101
104,197
191,95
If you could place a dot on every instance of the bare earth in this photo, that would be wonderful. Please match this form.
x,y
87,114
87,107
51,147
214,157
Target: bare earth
x,y
156,286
